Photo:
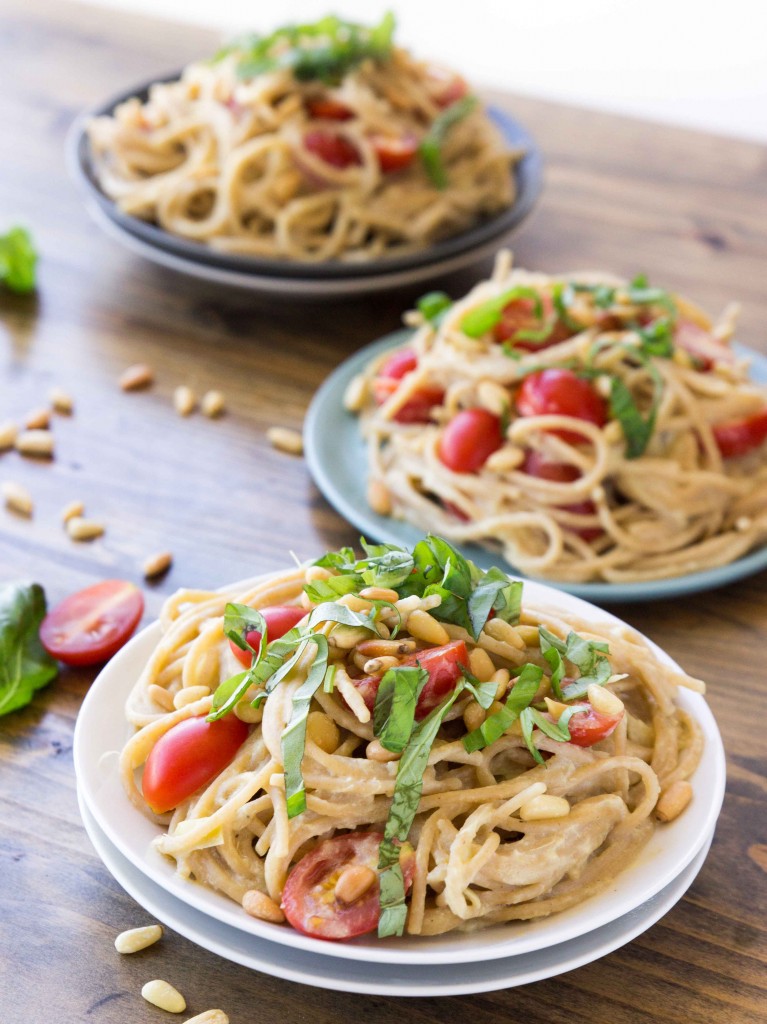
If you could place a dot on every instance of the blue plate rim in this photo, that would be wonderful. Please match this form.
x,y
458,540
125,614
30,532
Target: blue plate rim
x,y
327,404
528,173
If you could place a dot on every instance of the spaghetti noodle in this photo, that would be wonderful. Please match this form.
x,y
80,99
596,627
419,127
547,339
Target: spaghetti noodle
x,y
506,761
586,427
320,142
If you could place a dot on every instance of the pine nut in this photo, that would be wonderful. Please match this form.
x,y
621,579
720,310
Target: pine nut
x,y
165,996
501,677
285,440
245,711
379,594
504,632
8,433
80,528
354,882
61,401
356,394
604,701
316,572
135,939
38,419
555,708
346,637
505,459
377,666
613,432
184,400
160,696
209,1017
258,904
386,648
375,751
425,627
212,404
157,564
481,665
35,442
137,377
544,806
189,695
378,498
473,716
355,603
322,730
17,498
673,800
74,508
529,634
493,397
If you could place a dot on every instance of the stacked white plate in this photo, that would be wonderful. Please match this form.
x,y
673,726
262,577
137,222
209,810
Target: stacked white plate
x,y
491,958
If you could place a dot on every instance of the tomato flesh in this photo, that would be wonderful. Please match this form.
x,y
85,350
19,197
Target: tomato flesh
x,y
520,315
469,439
328,109
394,153
444,665
332,148
398,364
562,472
88,627
589,727
417,409
701,345
279,619
188,757
739,437
309,899
561,392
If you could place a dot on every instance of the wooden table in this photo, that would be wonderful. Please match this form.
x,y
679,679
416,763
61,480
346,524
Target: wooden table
x,y
688,208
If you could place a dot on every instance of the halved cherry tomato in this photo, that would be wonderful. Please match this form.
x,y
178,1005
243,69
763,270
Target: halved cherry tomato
x,y
394,152
333,148
452,508
741,436
589,727
328,109
279,619
90,626
188,757
519,315
562,472
418,407
309,899
701,344
469,439
445,666
563,393
449,86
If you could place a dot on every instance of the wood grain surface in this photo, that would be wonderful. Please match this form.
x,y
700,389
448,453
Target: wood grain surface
x,y
689,209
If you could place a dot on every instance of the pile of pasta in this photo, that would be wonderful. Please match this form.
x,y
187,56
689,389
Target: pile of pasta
x,y
320,142
507,825
623,439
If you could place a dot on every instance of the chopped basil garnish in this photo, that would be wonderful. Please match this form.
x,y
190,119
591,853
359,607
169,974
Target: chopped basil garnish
x,y
588,656
433,306
396,698
531,717
519,697
293,740
25,666
483,318
17,261
431,144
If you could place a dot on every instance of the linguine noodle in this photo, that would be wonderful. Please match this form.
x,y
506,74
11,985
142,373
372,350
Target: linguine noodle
x,y
672,481
481,854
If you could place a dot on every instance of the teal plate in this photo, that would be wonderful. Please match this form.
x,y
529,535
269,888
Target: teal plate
x,y
337,459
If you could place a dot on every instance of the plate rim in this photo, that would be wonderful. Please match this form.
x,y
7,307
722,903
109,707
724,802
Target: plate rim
x,y
86,767
634,924
326,403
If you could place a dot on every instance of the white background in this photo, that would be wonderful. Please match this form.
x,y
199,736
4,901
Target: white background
x,y
699,63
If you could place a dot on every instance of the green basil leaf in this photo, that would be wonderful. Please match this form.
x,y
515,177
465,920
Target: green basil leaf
x,y
241,619
483,318
17,261
396,699
430,148
25,666
386,565
320,591
293,739
658,338
391,896
494,592
527,723
433,306
519,697
637,430
598,676
563,296
333,612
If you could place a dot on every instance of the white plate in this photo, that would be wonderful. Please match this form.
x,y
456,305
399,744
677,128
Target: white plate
x,y
370,977
101,731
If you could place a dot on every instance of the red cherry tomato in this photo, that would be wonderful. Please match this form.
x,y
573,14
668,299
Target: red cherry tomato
x,y
562,472
90,626
328,109
701,345
279,619
589,727
448,87
519,315
445,667
188,757
334,149
398,364
418,407
469,439
561,392
394,153
452,508
741,436
309,899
